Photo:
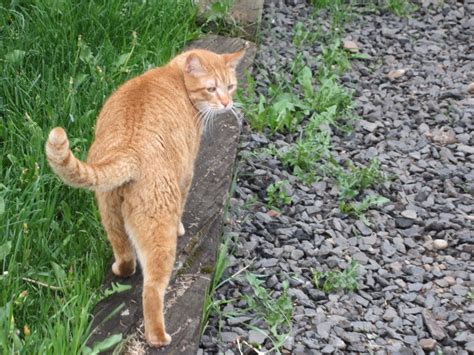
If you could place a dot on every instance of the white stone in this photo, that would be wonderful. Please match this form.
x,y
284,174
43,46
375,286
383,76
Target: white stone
x,y
440,244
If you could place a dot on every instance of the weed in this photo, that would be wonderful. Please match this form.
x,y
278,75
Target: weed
x,y
277,194
219,20
101,346
330,94
304,153
357,209
339,13
114,288
353,182
334,59
305,79
276,312
334,281
213,306
302,36
400,7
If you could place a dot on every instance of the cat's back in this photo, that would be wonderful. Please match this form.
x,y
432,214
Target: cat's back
x,y
149,104
161,88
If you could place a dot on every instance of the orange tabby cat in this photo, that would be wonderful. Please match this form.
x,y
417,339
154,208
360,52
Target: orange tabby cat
x,y
141,165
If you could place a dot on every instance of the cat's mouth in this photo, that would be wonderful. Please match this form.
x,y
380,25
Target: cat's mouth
x,y
207,113
222,109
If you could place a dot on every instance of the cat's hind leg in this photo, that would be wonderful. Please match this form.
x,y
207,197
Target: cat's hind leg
x,y
155,240
111,216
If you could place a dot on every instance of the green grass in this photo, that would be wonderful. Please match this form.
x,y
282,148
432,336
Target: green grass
x,y
217,19
354,180
59,60
277,195
340,9
357,209
401,8
336,280
275,311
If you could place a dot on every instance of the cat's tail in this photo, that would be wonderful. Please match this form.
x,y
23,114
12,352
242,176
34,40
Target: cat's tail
x,y
98,177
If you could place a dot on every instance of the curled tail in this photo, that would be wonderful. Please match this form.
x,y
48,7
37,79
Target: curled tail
x,y
99,177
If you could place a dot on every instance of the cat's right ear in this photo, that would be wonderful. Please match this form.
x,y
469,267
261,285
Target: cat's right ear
x,y
193,65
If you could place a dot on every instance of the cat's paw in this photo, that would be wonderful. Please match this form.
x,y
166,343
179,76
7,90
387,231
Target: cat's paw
x,y
124,269
181,229
156,341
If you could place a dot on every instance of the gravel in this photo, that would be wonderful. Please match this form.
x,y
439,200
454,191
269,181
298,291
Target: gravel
x,y
414,96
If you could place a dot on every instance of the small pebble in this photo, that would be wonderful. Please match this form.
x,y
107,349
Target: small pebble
x,y
440,244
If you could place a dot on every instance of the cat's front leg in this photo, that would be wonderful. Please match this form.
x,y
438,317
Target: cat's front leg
x,y
185,186
181,230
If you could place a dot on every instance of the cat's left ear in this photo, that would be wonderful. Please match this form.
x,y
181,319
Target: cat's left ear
x,y
233,59
193,65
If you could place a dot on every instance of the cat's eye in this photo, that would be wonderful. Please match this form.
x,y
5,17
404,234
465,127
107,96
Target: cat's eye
x,y
211,89
230,87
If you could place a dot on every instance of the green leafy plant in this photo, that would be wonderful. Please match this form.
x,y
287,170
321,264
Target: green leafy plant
x,y
354,181
106,344
218,18
114,288
302,36
276,312
329,94
277,195
10,336
334,59
400,7
304,154
357,209
336,280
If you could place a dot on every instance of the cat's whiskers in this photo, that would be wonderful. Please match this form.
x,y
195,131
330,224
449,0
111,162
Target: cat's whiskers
x,y
236,114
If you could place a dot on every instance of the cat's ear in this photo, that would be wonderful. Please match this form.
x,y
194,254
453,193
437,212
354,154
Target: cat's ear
x,y
233,59
193,65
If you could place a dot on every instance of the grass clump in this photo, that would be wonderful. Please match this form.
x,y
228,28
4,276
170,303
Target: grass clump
x,y
57,66
302,36
352,182
280,111
357,209
217,18
336,280
275,312
355,180
213,306
334,59
331,94
277,194
401,8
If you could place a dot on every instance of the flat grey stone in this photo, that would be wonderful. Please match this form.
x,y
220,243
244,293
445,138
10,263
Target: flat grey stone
x,y
257,337
435,330
328,349
469,346
229,337
268,262
323,329
297,254
411,214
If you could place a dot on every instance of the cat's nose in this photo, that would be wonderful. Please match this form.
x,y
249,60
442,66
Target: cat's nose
x,y
225,101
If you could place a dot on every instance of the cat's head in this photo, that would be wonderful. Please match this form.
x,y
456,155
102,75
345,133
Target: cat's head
x,y
211,80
